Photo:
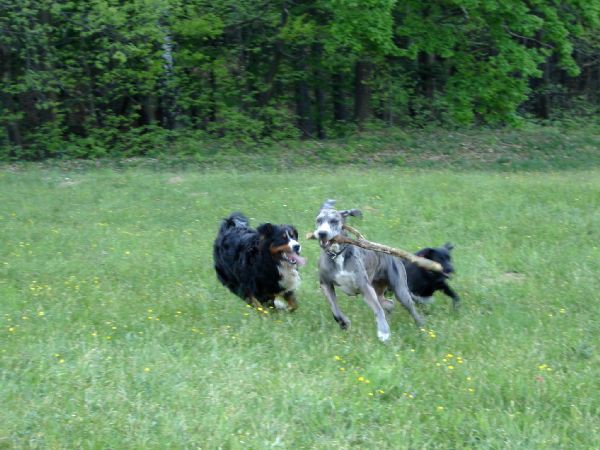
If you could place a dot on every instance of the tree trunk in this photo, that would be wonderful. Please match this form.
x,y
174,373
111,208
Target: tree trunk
x,y
265,96
150,104
13,130
303,109
426,63
168,100
362,91
319,93
340,113
543,107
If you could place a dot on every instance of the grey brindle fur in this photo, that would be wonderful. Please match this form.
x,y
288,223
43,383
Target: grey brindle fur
x,y
358,271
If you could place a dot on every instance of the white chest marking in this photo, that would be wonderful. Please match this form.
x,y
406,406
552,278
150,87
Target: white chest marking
x,y
290,278
344,279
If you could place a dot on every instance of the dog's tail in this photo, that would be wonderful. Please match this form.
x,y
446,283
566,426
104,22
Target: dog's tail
x,y
235,219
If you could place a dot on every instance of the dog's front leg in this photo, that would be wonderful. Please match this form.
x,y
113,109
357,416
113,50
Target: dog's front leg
x,y
453,295
290,298
254,302
370,296
339,317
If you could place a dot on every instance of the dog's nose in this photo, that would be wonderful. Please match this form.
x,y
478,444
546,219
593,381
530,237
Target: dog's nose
x,y
322,234
296,248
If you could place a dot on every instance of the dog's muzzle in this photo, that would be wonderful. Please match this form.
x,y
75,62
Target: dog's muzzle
x,y
293,257
323,241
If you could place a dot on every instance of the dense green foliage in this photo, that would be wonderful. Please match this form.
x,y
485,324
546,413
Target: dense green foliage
x,y
90,78
114,332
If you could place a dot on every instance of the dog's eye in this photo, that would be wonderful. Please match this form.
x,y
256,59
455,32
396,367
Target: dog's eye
x,y
319,221
335,222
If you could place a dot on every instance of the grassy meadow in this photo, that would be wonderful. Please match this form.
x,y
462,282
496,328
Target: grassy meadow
x,y
114,332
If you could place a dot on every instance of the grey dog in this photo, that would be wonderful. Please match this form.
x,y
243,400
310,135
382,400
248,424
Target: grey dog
x,y
358,271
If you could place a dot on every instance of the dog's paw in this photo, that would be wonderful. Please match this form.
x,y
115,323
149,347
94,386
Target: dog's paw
x,y
383,335
422,300
344,322
387,305
280,304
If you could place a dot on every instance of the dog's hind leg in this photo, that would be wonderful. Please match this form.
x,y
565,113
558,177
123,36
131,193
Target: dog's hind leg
x,y
370,296
422,300
397,277
254,303
403,296
386,303
339,317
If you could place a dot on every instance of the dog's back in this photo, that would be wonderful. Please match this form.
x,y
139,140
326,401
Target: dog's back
x,y
233,240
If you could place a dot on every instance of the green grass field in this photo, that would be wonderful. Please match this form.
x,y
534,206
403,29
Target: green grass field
x,y
116,334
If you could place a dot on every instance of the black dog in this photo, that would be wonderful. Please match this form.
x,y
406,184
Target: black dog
x,y
258,265
423,283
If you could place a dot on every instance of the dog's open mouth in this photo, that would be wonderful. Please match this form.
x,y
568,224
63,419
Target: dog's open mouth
x,y
293,258
325,243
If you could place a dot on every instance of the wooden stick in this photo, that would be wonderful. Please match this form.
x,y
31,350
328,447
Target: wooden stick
x,y
368,245
354,231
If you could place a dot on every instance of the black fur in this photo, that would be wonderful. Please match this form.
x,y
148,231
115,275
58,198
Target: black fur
x,y
424,283
246,262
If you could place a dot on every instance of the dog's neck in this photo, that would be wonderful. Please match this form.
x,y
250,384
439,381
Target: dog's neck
x,y
335,250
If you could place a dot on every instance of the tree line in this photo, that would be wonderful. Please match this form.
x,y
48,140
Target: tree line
x,y
80,77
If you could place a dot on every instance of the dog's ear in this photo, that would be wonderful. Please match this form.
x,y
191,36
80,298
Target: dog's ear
x,y
449,246
294,232
425,252
351,212
265,230
329,204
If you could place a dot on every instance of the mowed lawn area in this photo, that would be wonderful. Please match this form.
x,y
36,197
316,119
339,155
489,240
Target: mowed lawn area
x,y
114,332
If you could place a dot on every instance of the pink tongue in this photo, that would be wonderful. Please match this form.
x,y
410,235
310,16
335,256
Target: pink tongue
x,y
299,259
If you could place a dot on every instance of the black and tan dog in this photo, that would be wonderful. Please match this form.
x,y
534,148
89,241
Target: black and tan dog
x,y
258,265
